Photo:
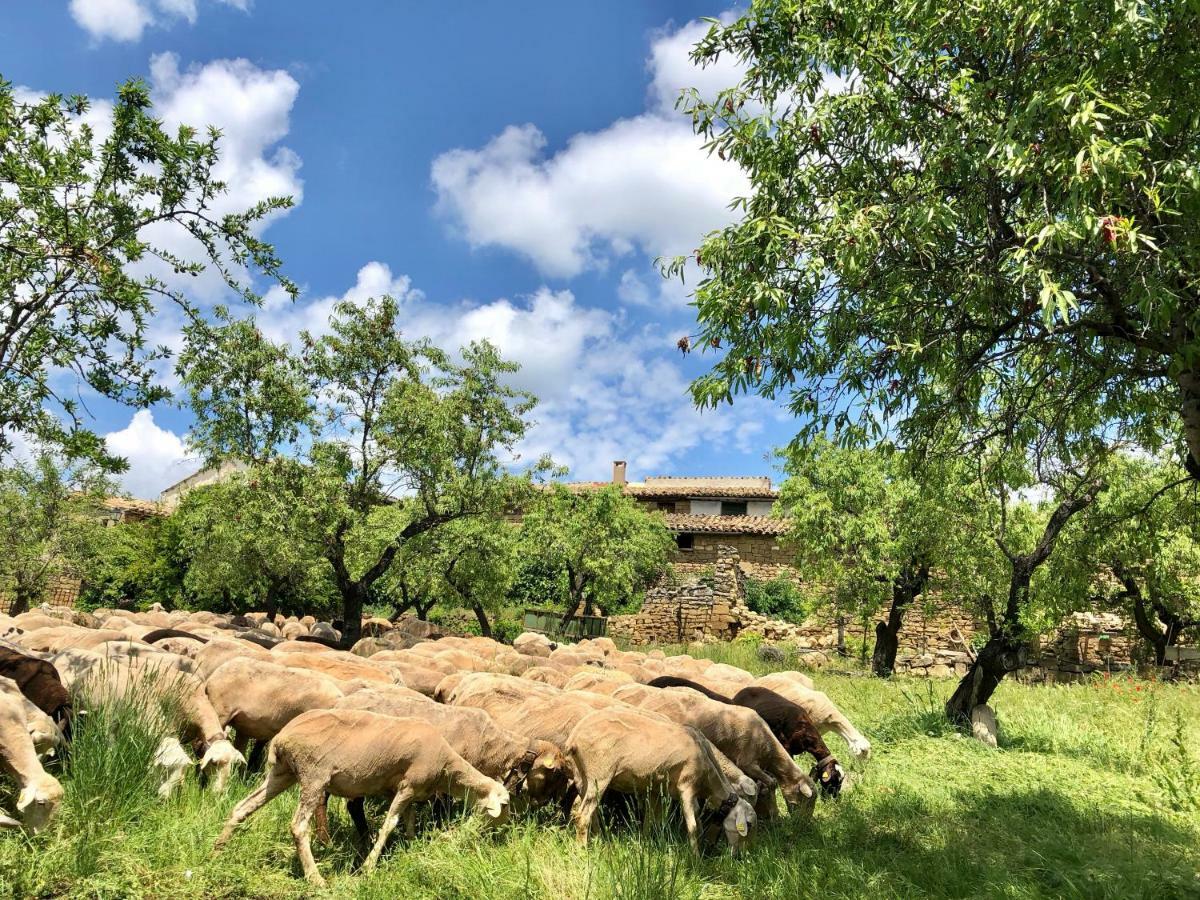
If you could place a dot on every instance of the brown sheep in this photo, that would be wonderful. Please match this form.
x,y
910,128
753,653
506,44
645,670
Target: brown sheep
x,y
355,753
40,682
628,752
795,730
824,714
737,732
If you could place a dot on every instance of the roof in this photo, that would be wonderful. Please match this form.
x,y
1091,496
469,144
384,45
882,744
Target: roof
x,y
699,488
727,524
133,505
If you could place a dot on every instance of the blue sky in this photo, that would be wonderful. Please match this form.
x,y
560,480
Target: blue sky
x,y
510,170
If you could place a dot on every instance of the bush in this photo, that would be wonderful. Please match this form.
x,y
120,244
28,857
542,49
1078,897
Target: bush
x,y
778,598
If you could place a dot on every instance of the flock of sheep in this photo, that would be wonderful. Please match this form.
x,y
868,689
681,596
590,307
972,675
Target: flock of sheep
x,y
413,717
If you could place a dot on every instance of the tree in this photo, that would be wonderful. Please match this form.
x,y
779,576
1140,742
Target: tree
x,y
945,196
240,549
394,424
999,584
90,219
1138,552
778,597
601,546
129,561
872,531
45,516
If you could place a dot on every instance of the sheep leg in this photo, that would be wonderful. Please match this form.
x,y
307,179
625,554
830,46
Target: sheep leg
x,y
586,806
322,821
399,806
310,799
358,815
410,821
687,799
276,782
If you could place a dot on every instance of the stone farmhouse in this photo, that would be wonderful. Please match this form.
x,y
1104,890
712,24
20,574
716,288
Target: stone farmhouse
x,y
705,512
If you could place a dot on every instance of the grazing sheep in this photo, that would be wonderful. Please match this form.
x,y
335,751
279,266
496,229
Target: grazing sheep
x,y
532,644
521,764
737,732
39,793
103,677
795,730
587,680
824,714
551,675
635,754
218,652
666,681
43,730
355,753
340,666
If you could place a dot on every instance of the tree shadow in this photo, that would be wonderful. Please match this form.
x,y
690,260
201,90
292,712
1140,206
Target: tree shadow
x,y
1030,842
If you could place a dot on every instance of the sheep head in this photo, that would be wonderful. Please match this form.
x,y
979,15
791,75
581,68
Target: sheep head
x,y
829,774
221,756
494,804
545,774
738,824
38,802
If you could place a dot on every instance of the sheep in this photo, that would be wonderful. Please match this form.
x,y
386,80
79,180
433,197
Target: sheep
x,y
532,644
737,732
355,753
516,761
43,730
218,652
40,682
551,675
39,793
824,714
635,754
795,730
258,698
666,681
590,678
342,667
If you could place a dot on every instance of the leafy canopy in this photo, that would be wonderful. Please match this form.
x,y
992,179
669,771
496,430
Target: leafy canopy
x,y
91,222
982,214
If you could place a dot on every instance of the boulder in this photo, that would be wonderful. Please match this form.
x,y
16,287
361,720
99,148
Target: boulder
x,y
983,725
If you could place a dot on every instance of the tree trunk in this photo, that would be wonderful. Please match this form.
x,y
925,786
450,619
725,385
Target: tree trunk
x,y
999,656
423,610
21,600
905,589
353,600
485,627
1141,618
1189,408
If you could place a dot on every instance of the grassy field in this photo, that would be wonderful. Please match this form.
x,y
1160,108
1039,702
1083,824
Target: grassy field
x,y
1094,793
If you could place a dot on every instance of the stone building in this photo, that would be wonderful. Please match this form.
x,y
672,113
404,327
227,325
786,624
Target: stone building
x,y
170,496
705,512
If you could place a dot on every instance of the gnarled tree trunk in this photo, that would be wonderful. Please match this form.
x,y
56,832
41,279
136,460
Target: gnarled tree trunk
x,y
905,589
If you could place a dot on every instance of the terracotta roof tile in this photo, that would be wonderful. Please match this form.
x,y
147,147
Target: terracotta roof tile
x,y
727,524
131,504
747,492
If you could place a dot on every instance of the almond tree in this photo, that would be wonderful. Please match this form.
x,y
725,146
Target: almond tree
x,y
947,196
87,216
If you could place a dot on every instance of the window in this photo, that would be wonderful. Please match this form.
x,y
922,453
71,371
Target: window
x,y
666,506
685,541
733,507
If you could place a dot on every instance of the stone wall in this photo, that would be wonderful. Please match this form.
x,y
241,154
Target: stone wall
x,y
760,555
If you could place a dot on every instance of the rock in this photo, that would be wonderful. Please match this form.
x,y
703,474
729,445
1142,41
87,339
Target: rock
x,y
940,671
772,654
983,725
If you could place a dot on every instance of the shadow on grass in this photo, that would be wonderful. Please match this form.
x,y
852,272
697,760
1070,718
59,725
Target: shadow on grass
x,y
1024,843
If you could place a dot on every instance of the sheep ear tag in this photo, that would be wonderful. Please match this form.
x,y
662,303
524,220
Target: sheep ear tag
x,y
546,762
826,775
743,827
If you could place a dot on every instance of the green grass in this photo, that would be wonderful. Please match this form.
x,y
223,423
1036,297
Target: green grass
x,y
1092,794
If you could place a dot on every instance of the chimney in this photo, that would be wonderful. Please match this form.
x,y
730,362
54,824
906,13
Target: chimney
x,y
619,472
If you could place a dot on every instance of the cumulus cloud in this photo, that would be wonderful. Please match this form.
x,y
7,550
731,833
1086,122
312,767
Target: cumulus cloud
x,y
126,20
157,456
607,389
643,183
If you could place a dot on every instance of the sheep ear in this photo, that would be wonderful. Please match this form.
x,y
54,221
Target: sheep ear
x,y
741,822
8,822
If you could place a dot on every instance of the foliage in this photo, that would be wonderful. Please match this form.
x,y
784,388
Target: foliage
x,y
94,214
394,424
130,561
778,597
601,545
1061,809
976,216
47,514
1138,551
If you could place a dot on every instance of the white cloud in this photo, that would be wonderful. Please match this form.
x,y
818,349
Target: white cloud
x,y
642,183
607,389
157,457
126,20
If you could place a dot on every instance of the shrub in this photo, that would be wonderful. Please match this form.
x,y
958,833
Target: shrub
x,y
779,598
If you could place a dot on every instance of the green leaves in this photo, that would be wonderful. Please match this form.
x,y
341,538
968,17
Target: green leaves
x,y
78,251
988,219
